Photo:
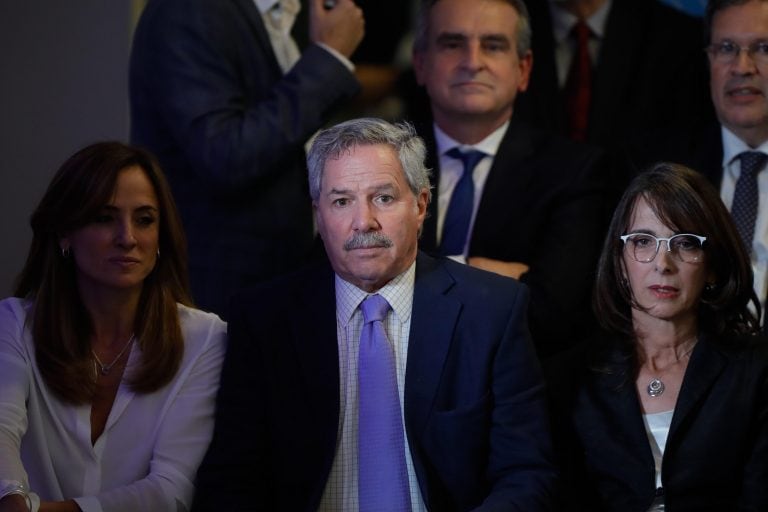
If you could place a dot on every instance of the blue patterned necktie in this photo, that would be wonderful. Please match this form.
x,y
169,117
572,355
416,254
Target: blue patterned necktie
x,y
459,214
383,477
745,196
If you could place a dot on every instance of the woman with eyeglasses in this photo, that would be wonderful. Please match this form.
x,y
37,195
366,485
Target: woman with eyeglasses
x,y
667,409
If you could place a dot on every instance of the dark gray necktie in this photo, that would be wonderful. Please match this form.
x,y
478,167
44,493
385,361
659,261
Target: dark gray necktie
x,y
745,196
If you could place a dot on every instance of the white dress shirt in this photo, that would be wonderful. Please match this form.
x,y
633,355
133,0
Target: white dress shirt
x,y
451,170
279,17
565,45
341,488
147,456
732,146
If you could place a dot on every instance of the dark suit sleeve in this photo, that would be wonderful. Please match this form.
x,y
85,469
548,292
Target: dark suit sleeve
x,y
231,476
203,73
754,494
564,254
520,460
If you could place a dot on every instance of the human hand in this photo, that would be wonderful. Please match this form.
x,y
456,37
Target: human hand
x,y
511,269
13,503
341,28
59,506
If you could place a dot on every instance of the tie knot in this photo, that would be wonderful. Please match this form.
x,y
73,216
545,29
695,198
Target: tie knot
x,y
469,158
581,32
374,308
752,162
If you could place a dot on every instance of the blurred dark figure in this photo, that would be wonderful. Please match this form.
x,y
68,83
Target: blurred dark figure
x,y
221,93
614,72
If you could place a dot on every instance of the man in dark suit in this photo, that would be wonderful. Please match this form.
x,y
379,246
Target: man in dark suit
x,y
646,70
468,427
220,92
738,64
536,209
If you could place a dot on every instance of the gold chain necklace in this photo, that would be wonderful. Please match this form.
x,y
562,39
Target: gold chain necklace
x,y
104,369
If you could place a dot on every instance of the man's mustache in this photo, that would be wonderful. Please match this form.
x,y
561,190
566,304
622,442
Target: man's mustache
x,y
367,240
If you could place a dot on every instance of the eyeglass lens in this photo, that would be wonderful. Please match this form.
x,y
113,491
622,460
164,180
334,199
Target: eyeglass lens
x,y
728,51
686,248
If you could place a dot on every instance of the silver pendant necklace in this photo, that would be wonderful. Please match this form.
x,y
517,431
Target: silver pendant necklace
x,y
104,369
656,387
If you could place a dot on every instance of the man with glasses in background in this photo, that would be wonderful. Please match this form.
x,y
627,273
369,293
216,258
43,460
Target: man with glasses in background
x,y
733,153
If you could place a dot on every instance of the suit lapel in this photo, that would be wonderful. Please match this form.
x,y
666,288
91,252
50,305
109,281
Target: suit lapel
x,y
705,365
251,13
428,240
316,349
508,172
433,321
619,386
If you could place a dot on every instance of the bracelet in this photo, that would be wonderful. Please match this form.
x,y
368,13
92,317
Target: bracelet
x,y
9,487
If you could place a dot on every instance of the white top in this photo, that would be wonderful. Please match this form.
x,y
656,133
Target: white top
x,y
732,146
341,488
451,170
657,428
151,446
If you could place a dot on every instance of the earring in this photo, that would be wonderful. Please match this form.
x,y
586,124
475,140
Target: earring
x,y
65,252
158,252
708,287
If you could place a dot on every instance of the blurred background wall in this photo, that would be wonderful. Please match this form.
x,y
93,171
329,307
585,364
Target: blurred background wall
x,y
63,84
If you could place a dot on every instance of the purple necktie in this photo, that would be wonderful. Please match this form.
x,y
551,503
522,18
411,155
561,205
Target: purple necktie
x,y
746,195
383,477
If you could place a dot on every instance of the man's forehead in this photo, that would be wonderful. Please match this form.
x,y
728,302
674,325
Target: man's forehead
x,y
453,20
366,160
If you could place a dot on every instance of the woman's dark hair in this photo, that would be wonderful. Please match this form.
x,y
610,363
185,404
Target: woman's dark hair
x,y
687,203
61,327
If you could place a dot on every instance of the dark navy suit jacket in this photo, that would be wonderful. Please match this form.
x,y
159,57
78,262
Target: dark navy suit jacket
x,y
210,100
716,456
474,408
544,204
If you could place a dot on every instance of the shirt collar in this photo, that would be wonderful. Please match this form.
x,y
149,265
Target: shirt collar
x,y
563,21
265,5
398,292
733,146
488,145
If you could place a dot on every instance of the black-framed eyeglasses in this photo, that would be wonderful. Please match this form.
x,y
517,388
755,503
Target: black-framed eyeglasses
x,y
684,246
727,52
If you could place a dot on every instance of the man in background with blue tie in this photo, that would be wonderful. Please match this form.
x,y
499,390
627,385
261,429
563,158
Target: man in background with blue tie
x,y
510,199
387,380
